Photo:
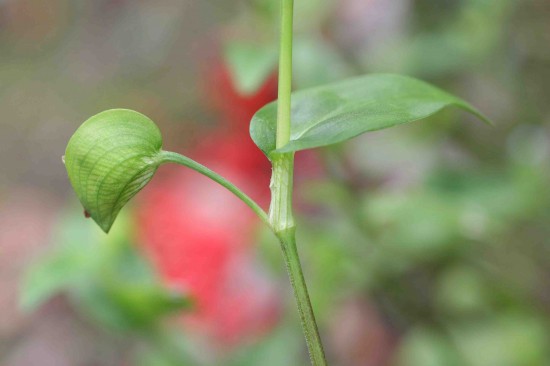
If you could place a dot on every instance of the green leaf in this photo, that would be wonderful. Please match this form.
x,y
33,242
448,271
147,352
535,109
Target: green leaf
x,y
110,158
336,112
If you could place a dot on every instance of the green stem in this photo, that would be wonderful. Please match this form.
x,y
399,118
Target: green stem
x,y
280,211
285,73
307,317
172,157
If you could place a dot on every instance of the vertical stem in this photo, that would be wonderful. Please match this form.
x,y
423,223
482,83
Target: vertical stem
x,y
307,318
285,73
280,211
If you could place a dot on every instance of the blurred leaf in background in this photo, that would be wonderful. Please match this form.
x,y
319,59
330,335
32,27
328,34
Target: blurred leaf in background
x,y
104,275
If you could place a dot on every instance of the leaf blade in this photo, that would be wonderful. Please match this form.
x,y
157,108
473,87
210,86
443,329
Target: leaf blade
x,y
336,112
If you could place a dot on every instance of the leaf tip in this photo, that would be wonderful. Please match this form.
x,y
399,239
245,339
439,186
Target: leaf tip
x,y
105,226
476,112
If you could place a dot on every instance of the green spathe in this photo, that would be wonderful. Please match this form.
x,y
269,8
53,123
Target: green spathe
x,y
109,159
336,112
114,154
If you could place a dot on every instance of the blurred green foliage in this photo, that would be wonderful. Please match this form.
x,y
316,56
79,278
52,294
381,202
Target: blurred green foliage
x,y
105,276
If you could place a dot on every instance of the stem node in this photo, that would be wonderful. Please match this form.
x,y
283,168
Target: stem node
x,y
280,210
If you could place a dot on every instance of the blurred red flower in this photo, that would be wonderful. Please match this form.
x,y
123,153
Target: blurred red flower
x,y
200,237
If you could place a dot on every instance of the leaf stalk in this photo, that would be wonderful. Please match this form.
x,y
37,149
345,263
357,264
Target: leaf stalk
x,y
172,157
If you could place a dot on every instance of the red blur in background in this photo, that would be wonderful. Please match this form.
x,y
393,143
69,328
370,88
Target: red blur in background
x,y
200,237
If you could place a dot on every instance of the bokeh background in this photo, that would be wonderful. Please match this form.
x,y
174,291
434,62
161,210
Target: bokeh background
x,y
423,245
